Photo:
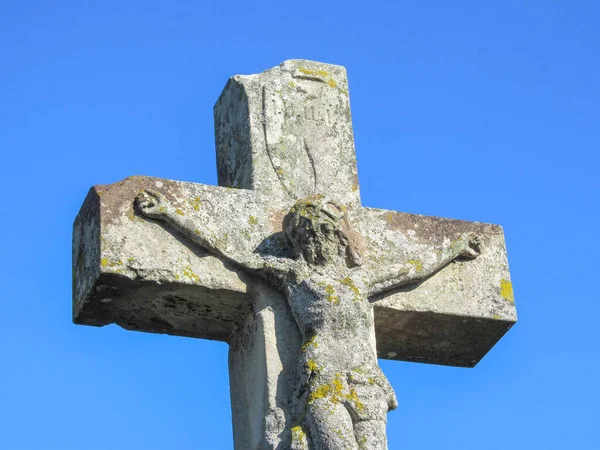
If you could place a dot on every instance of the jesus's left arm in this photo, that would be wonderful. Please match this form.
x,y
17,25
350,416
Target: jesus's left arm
x,y
420,268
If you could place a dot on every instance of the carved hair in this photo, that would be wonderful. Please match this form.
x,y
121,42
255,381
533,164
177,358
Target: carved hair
x,y
318,210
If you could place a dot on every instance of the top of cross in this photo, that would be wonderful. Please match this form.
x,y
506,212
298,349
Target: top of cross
x,y
288,130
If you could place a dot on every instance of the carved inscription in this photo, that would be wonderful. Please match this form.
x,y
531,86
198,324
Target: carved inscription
x,y
313,112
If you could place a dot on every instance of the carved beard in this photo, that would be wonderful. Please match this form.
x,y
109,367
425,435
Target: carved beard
x,y
312,255
320,251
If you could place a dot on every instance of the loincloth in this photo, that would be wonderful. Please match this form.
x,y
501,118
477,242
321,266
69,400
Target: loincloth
x,y
364,391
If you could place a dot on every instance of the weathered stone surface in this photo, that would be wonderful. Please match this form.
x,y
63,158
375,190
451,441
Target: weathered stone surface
x,y
288,130
282,262
133,272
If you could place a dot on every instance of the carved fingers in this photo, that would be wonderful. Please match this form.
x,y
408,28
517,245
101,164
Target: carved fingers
x,y
472,248
151,204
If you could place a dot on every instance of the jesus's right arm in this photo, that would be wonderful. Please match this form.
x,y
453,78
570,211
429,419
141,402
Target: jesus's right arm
x,y
153,205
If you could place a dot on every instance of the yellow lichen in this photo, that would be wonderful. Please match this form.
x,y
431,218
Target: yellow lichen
x,y
321,392
312,342
196,202
362,444
187,271
496,316
506,290
252,220
331,82
353,397
334,391
320,73
105,262
312,365
298,436
330,291
416,263
180,212
350,283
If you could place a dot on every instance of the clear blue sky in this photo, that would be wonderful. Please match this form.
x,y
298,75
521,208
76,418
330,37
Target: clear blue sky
x,y
460,109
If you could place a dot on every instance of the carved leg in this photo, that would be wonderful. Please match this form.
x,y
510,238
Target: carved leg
x,y
330,426
372,398
371,434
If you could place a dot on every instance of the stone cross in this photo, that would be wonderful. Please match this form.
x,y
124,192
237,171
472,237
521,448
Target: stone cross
x,y
282,262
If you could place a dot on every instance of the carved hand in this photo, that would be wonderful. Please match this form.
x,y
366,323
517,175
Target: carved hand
x,y
472,245
151,204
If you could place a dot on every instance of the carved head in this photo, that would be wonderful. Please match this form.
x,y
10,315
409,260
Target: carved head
x,y
313,229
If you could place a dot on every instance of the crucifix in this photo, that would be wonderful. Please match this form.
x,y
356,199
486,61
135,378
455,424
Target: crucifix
x,y
283,263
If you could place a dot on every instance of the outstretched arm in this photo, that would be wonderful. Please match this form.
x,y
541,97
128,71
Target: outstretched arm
x,y
466,247
155,206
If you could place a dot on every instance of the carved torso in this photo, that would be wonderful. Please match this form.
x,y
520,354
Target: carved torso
x,y
332,308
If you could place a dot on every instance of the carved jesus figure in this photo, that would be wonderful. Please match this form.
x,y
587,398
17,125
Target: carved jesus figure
x,y
342,397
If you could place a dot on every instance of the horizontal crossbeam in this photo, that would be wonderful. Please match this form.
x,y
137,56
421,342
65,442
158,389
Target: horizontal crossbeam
x,y
143,276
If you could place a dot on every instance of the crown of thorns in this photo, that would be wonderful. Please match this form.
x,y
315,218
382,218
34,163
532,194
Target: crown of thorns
x,y
313,208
